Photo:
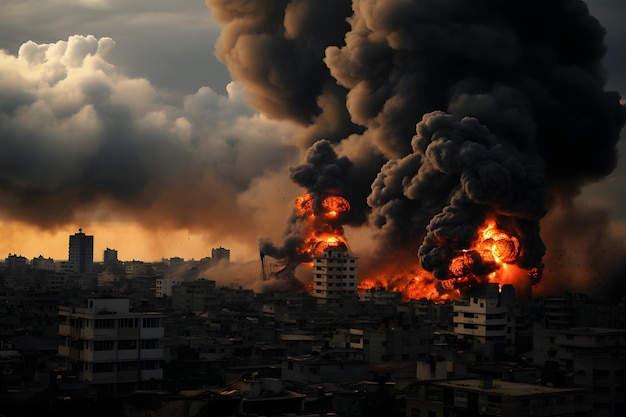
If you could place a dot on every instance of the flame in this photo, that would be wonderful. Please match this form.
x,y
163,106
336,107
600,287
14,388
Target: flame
x,y
492,258
412,282
334,206
321,223
504,248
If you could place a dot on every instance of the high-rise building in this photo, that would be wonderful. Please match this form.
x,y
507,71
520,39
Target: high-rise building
x,y
109,257
110,348
335,276
220,254
81,252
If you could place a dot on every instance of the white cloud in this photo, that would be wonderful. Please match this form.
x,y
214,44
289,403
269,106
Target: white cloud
x,y
72,124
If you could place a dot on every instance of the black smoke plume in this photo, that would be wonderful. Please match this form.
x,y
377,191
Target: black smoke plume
x,y
323,175
508,98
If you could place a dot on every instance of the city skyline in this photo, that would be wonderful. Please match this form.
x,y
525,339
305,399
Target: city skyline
x,y
119,119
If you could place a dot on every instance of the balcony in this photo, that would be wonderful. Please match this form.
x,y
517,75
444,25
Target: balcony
x,y
152,353
64,330
99,334
127,354
98,356
100,377
127,376
148,374
131,333
64,351
152,333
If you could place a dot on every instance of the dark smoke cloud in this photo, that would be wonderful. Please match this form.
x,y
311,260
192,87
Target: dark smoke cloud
x,y
528,73
78,136
537,87
489,182
275,48
324,174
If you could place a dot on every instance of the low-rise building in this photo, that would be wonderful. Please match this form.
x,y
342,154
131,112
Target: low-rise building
x,y
110,348
487,397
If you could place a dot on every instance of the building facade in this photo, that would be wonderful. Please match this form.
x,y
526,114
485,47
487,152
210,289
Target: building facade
x,y
335,276
485,322
485,397
109,257
111,349
81,252
220,254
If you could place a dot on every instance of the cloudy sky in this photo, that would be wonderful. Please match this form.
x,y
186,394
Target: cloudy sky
x,y
117,117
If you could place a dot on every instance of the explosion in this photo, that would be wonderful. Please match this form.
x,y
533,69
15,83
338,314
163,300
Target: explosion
x,y
320,224
492,258
452,120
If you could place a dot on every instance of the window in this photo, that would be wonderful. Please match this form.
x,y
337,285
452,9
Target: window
x,y
105,324
102,367
127,323
150,364
127,366
600,374
127,344
103,345
149,344
151,323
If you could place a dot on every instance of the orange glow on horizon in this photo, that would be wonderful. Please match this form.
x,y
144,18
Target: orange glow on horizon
x,y
132,242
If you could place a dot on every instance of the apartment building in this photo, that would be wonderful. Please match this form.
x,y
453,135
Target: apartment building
x,y
486,397
335,276
110,348
485,322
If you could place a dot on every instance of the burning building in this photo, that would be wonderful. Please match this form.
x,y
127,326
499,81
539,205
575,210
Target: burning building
x,y
449,129
335,276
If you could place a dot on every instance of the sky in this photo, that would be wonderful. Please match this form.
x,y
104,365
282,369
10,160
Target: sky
x,y
169,128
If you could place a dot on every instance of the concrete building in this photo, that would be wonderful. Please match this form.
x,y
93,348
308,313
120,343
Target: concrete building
x,y
220,254
81,252
197,296
486,397
380,297
335,276
486,322
394,343
109,257
110,348
133,269
107,278
591,357
332,367
43,264
164,286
